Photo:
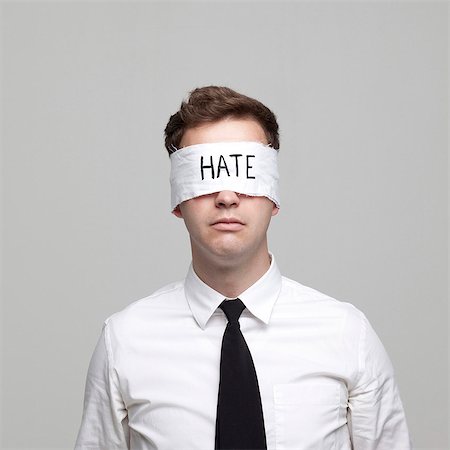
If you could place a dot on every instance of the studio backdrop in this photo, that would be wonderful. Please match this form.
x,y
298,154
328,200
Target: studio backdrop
x,y
360,93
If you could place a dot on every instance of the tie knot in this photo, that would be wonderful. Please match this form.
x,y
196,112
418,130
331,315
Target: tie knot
x,y
232,309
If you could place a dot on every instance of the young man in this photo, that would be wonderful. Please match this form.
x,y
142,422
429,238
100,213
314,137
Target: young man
x,y
236,356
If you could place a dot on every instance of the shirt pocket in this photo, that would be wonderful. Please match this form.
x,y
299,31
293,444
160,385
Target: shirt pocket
x,y
306,415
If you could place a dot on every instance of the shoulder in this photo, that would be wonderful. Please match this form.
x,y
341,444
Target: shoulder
x,y
163,299
347,323
309,301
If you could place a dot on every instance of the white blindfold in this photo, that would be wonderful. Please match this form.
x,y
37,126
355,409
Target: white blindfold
x,y
249,168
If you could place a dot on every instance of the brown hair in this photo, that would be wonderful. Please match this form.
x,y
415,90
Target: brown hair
x,y
213,103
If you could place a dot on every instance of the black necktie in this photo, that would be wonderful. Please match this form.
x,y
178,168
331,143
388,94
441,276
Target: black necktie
x,y
240,421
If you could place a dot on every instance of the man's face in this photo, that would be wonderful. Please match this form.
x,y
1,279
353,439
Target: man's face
x,y
225,225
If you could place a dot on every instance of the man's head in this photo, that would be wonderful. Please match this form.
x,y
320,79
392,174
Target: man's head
x,y
213,103
224,226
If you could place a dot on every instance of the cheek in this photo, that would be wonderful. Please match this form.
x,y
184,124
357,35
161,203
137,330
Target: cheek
x,y
191,223
195,220
265,217
266,209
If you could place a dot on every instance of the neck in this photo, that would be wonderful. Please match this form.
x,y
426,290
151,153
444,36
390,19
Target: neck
x,y
232,278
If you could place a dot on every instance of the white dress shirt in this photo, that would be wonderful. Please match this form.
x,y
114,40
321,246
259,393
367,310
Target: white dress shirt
x,y
325,379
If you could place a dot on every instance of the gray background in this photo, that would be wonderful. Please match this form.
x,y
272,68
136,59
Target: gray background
x,y
360,91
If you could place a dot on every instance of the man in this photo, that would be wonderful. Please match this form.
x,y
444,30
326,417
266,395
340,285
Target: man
x,y
236,356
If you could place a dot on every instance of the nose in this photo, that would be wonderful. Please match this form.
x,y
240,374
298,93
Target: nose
x,y
227,199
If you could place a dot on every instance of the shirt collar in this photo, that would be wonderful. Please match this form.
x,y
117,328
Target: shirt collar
x,y
259,298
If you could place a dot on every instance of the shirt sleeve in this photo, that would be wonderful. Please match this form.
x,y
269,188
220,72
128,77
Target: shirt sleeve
x,y
104,424
376,418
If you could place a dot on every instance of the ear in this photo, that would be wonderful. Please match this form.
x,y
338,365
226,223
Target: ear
x,y
275,210
177,212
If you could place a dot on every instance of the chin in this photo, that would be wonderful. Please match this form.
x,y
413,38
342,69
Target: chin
x,y
227,250
233,252
224,249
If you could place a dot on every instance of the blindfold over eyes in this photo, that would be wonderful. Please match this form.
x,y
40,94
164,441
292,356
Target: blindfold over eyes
x,y
249,168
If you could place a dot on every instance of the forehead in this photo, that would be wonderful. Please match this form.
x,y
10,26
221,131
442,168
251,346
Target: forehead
x,y
226,130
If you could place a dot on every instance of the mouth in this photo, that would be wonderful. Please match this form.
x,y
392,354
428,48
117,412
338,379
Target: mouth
x,y
228,224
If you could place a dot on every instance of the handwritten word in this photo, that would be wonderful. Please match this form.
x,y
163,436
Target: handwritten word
x,y
222,167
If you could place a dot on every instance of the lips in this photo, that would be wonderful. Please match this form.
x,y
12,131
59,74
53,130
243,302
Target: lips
x,y
228,224
228,220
